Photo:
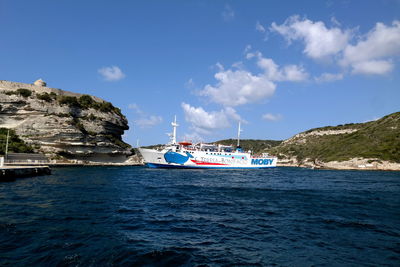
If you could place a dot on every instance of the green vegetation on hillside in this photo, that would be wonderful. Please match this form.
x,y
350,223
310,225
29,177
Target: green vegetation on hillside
x,y
47,97
255,145
375,139
70,101
86,101
15,144
83,102
21,91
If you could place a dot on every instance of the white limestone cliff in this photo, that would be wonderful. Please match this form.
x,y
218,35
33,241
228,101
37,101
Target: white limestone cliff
x,y
63,131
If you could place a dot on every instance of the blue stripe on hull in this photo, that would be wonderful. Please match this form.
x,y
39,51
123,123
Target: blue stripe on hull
x,y
155,165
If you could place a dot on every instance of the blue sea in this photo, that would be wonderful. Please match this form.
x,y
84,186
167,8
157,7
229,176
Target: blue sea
x,y
135,216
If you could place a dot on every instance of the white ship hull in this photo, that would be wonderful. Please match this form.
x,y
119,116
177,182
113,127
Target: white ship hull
x,y
205,156
206,160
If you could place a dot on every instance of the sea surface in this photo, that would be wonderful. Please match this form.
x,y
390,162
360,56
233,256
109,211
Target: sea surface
x,y
135,216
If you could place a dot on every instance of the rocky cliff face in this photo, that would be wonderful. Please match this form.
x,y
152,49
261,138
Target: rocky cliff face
x,y
62,124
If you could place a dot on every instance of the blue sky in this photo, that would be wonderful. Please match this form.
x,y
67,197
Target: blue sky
x,y
280,67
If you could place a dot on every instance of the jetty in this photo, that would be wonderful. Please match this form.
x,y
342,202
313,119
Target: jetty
x,y
18,165
10,173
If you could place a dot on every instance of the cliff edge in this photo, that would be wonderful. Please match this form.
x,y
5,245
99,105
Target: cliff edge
x,y
66,126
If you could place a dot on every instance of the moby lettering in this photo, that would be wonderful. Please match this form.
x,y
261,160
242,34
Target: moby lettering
x,y
262,161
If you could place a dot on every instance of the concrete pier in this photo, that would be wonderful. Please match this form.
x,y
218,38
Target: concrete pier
x,y
10,173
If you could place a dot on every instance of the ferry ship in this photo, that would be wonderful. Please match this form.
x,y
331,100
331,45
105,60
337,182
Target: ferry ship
x,y
206,156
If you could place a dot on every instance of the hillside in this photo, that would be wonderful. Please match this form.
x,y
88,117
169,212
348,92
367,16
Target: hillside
x,y
255,145
371,143
66,126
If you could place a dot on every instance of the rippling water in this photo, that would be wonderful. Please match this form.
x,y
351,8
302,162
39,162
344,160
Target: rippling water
x,y
138,216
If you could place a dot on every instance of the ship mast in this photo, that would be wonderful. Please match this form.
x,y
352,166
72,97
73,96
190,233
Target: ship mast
x,y
8,135
173,137
238,136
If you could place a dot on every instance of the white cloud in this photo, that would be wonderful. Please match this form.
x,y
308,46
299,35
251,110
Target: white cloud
x,y
228,14
238,87
294,73
238,65
335,21
259,27
112,73
377,67
219,66
273,72
247,49
371,54
135,107
329,77
320,41
251,55
149,121
144,120
190,84
204,122
270,68
193,137
272,117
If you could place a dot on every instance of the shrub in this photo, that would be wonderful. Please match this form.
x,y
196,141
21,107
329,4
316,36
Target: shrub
x,y
86,101
45,96
24,92
71,101
105,107
21,91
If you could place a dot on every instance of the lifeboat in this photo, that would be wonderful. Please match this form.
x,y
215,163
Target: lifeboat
x,y
185,143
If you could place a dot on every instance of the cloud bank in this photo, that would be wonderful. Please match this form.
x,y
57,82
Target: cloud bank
x,y
369,54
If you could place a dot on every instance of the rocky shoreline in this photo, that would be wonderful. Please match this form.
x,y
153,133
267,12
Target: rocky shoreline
x,y
353,164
